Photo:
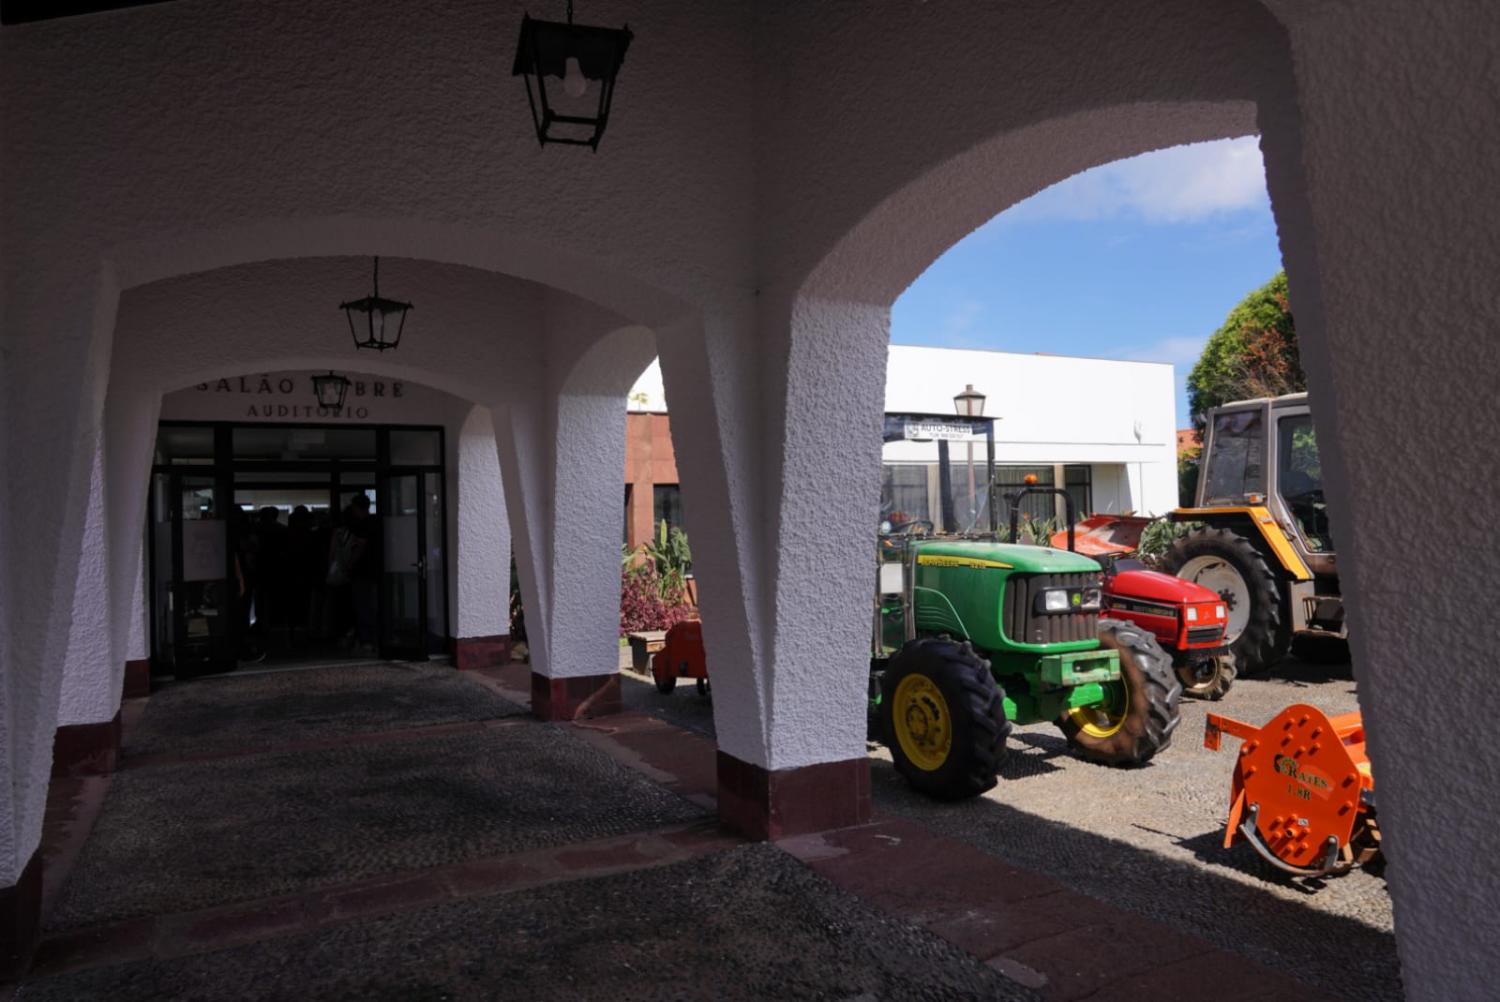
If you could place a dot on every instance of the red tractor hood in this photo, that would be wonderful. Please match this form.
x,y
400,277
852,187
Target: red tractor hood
x,y
1154,586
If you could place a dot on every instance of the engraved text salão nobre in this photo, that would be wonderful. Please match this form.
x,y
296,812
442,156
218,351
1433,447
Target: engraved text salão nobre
x,y
287,386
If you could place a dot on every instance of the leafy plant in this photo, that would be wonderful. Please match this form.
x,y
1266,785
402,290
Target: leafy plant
x,y
1036,531
1189,466
671,560
1158,537
1253,354
642,606
517,612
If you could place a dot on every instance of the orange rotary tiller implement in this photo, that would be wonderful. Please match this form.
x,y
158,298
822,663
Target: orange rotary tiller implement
x,y
1303,795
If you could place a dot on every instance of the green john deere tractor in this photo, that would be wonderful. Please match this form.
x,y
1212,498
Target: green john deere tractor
x,y
973,634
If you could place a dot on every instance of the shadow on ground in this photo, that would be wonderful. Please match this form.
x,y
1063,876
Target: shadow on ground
x,y
1341,956
748,923
242,712
1150,840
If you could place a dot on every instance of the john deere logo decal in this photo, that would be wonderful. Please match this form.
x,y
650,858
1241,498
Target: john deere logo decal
x,y
941,560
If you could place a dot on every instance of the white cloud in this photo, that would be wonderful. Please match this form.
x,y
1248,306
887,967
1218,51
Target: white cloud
x,y
1180,351
961,317
1182,184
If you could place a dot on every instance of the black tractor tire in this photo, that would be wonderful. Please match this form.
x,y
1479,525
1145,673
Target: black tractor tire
x,y
1267,635
1214,688
972,709
666,685
1153,693
705,689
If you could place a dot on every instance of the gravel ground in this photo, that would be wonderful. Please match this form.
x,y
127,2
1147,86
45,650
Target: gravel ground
x,y
1149,840
178,837
749,923
249,710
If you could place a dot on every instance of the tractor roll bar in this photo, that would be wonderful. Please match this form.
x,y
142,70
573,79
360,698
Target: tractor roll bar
x,y
1015,509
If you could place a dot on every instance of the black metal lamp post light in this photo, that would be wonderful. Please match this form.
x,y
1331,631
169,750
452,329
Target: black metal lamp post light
x,y
585,60
970,403
376,322
330,390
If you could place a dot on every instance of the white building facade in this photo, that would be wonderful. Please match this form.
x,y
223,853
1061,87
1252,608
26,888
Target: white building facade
x,y
1102,429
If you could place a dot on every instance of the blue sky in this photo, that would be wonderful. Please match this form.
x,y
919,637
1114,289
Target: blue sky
x,y
1138,259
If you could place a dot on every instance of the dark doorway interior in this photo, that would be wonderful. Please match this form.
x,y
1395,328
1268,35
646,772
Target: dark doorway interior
x,y
278,544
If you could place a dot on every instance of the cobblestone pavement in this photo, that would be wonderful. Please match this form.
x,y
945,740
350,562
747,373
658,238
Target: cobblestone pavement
x,y
1149,840
747,923
243,709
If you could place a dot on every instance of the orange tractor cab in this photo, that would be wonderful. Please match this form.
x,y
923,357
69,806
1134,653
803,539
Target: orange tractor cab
x,y
1303,795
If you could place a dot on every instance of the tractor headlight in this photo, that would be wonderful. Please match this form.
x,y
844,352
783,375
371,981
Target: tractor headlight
x,y
1192,614
1059,600
1221,612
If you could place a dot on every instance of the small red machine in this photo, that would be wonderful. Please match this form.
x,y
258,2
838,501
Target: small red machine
x,y
1303,795
682,657
1187,620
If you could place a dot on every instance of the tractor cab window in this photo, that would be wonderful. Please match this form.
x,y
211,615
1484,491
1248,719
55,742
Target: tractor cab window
x,y
1236,460
1299,476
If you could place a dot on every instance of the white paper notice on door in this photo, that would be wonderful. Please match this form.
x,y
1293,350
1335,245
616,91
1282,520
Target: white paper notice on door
x,y
202,550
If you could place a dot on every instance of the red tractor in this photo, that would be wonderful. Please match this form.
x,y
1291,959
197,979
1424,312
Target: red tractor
x,y
1187,619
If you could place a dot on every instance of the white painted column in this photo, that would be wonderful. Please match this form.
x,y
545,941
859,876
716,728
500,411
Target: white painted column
x,y
482,558
56,328
138,639
1381,167
562,455
91,674
777,427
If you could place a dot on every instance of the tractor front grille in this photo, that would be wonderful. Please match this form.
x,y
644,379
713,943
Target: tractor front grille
x,y
1025,626
1205,634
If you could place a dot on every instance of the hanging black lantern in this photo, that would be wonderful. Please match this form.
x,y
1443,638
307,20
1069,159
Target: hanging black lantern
x,y
330,390
574,109
375,322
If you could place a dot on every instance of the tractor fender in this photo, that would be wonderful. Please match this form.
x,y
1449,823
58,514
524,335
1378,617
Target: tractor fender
x,y
1263,522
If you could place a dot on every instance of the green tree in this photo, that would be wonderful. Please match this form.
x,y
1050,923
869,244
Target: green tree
x,y
1253,354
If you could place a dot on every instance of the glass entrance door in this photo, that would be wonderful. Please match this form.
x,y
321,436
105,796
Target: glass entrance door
x,y
413,612
194,579
248,517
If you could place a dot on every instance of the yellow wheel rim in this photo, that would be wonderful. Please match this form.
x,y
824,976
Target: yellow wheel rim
x,y
1101,720
923,726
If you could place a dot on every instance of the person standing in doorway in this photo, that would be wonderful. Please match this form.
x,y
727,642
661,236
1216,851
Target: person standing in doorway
x,y
364,575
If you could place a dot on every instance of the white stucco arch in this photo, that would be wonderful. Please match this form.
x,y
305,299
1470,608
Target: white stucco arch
x,y
916,224
477,335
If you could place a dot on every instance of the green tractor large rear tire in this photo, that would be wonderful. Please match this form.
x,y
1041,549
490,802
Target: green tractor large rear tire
x,y
1139,718
1226,562
943,718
